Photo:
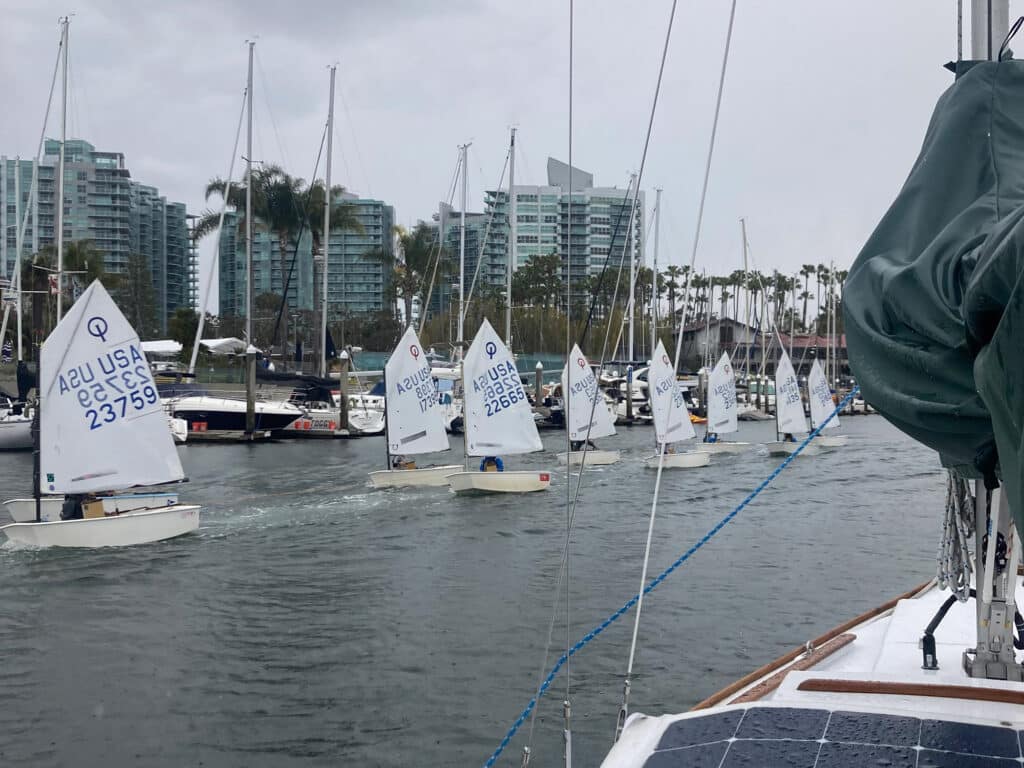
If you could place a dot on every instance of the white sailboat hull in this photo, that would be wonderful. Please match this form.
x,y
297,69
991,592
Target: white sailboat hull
x,y
723,447
367,422
24,510
832,441
16,435
594,458
124,530
499,482
786,449
426,477
685,460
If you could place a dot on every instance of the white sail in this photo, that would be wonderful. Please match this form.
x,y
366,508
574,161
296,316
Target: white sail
x,y
589,417
415,421
499,419
722,397
671,419
102,425
820,396
789,407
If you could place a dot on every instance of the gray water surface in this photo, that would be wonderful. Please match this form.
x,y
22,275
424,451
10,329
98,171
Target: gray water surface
x,y
313,621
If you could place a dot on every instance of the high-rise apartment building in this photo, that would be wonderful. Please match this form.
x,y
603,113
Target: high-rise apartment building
x,y
102,204
356,278
599,226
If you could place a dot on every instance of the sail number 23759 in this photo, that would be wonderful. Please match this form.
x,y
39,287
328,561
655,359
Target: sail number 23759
x,y
114,386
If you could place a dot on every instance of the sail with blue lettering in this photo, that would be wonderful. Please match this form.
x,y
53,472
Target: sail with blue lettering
x,y
102,426
820,395
671,418
722,397
789,406
415,420
588,416
499,419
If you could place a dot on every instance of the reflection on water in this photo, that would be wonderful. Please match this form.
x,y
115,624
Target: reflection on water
x,y
314,621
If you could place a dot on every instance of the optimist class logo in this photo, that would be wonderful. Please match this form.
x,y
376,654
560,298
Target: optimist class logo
x,y
414,351
491,349
665,360
581,362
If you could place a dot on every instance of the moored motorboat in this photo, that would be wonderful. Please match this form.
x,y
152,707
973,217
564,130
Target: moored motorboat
x,y
211,418
16,433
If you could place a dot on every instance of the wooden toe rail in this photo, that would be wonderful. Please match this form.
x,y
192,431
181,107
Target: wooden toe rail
x,y
997,695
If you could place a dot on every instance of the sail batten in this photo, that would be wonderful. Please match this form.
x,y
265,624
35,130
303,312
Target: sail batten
x,y
499,419
102,426
415,420
588,415
671,417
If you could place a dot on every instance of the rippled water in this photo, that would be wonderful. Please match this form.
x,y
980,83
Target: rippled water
x,y
312,621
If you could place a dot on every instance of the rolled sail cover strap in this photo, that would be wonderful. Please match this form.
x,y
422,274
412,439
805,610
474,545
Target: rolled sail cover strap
x,y
933,305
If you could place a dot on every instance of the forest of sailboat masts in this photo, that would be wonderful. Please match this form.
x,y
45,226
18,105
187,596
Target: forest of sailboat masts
x,y
795,304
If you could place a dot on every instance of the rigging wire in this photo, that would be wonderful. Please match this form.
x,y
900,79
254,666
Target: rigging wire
x,y
624,708
215,261
437,248
594,633
15,280
563,571
566,395
483,242
355,141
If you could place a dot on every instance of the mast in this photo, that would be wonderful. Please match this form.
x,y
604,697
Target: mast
x,y
327,233
990,21
60,167
746,303
462,252
19,236
632,282
707,321
511,266
828,317
792,317
654,272
250,368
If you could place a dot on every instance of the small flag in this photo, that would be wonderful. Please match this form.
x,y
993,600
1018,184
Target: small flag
x,y
53,285
6,355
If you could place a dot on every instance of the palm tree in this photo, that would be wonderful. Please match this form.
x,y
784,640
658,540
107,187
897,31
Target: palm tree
x,y
410,268
282,206
805,295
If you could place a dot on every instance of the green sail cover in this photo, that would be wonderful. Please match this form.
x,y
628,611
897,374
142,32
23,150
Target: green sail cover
x,y
933,305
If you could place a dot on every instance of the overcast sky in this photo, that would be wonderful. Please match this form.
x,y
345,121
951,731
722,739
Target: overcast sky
x,y
824,109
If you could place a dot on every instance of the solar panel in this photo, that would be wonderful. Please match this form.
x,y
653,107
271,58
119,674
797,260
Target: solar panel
x,y
784,737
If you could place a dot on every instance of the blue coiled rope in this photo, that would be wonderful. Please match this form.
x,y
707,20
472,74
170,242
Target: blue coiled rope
x,y
592,634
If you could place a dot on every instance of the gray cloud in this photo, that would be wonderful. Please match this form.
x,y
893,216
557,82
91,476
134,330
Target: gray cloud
x,y
824,110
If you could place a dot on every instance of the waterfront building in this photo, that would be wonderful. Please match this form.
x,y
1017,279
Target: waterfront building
x,y
599,227
357,276
102,204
